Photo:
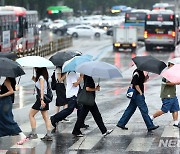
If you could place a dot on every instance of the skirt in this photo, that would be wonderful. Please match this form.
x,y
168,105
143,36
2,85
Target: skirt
x,y
7,124
61,94
37,105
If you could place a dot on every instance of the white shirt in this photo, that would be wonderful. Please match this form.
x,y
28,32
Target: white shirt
x,y
37,84
71,90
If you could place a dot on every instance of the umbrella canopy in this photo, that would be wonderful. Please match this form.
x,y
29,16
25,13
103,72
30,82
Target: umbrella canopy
x,y
60,58
172,74
34,61
175,60
99,69
9,55
149,64
10,68
70,65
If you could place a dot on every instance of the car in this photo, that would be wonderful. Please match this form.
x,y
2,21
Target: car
x,y
57,24
44,24
63,30
110,31
85,30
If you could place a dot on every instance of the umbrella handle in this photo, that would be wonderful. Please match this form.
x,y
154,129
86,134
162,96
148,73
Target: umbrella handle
x,y
19,80
98,81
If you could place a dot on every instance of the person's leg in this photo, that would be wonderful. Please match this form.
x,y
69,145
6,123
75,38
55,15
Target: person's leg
x,y
33,120
127,114
174,110
98,118
45,116
157,114
80,120
140,101
65,112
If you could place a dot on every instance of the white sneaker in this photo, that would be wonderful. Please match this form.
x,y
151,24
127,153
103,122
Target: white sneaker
x,y
65,120
107,132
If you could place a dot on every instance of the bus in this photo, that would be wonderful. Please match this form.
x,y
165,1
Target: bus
x,y
136,19
161,30
19,26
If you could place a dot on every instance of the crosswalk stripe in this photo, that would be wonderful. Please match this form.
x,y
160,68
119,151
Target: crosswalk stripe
x,y
86,143
170,131
3,151
29,144
140,144
118,131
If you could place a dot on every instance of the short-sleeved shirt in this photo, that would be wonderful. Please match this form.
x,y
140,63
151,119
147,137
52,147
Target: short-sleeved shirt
x,y
138,79
89,82
37,84
167,91
71,90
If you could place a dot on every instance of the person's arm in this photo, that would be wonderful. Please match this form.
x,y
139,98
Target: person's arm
x,y
60,77
138,89
97,88
42,92
7,83
75,84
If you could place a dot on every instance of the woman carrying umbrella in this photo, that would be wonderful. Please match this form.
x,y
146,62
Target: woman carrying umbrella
x,y
41,83
90,86
7,124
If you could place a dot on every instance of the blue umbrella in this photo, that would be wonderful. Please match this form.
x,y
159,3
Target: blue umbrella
x,y
70,65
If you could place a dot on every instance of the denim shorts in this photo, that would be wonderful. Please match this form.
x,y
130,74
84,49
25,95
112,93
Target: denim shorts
x,y
170,104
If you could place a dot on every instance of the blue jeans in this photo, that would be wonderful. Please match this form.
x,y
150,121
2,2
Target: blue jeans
x,y
72,104
139,102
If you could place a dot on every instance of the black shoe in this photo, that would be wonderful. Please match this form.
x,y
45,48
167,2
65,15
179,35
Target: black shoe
x,y
153,128
122,127
176,126
85,126
53,122
53,130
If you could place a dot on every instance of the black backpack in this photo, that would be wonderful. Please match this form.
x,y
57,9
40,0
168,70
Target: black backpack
x,y
53,81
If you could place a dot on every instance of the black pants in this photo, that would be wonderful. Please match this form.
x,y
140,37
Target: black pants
x,y
96,115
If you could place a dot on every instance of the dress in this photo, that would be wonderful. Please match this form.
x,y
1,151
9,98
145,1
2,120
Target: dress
x,y
7,124
60,92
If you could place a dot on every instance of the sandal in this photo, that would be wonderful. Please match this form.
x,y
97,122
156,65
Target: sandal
x,y
21,142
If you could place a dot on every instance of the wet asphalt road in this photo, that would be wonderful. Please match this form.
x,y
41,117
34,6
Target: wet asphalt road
x,y
111,101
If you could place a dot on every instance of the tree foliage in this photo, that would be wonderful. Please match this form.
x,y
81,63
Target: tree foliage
x,y
80,5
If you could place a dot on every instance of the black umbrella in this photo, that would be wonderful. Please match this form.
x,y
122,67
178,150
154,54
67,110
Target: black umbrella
x,y
10,68
59,58
9,55
149,64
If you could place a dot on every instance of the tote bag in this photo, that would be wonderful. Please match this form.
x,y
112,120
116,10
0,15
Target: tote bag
x,y
85,98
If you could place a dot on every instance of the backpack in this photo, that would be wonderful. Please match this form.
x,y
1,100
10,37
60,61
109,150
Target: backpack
x,y
53,81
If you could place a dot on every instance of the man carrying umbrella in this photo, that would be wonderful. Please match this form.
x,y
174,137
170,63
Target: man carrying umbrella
x,y
169,99
139,101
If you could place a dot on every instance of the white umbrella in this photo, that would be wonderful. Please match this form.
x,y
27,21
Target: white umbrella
x,y
175,60
99,69
34,61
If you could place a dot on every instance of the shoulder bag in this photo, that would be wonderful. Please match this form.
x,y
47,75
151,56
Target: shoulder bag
x,y
85,97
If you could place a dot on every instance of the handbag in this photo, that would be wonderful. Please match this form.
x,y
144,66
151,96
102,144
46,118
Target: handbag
x,y
47,97
131,93
85,97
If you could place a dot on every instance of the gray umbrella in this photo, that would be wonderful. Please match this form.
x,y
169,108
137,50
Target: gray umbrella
x,y
9,55
10,68
99,69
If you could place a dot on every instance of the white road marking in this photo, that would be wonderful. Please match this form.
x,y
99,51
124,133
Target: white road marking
x,y
140,144
170,131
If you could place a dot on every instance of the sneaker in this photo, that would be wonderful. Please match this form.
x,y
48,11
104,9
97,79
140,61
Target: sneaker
x,y
176,126
32,136
54,124
65,120
47,138
122,127
107,132
78,135
85,126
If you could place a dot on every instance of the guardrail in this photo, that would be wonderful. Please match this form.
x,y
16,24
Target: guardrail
x,y
47,49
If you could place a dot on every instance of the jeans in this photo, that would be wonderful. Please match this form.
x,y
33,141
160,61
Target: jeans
x,y
139,102
72,104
